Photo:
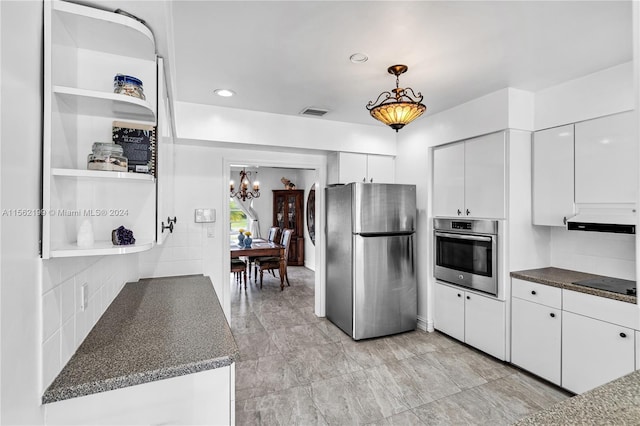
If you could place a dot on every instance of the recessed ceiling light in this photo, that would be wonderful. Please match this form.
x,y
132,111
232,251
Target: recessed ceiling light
x,y
358,58
226,93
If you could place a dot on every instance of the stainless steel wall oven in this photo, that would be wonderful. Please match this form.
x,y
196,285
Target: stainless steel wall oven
x,y
466,253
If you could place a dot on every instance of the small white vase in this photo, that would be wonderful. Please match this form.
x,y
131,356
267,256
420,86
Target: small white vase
x,y
85,234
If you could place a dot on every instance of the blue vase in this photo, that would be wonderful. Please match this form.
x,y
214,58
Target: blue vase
x,y
240,238
247,242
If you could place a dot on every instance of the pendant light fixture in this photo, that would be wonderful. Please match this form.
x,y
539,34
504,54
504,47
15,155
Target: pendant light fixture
x,y
399,106
243,192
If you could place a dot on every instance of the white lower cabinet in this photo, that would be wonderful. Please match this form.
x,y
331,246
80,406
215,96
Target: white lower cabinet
x,y
449,311
594,352
575,340
536,332
206,397
474,319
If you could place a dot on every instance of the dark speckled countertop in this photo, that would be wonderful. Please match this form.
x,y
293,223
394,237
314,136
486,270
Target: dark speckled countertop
x,y
565,278
155,329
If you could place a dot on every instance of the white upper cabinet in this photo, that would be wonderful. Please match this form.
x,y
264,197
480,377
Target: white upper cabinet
x,y
606,160
484,177
380,169
469,178
84,48
553,176
347,167
448,180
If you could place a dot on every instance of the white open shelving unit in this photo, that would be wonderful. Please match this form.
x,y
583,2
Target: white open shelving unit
x,y
84,49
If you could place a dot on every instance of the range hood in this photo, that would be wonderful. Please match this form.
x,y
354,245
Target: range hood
x,y
604,219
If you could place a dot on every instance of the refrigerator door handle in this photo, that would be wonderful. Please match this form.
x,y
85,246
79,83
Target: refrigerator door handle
x,y
384,234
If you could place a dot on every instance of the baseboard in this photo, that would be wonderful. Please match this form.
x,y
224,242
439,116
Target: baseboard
x,y
425,325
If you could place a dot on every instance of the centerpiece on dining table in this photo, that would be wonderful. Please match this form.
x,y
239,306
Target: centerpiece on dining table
x,y
247,239
240,237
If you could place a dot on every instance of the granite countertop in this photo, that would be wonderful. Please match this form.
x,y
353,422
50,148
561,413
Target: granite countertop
x,y
615,403
155,329
564,278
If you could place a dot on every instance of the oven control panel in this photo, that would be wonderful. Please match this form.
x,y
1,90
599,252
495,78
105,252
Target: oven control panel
x,y
460,225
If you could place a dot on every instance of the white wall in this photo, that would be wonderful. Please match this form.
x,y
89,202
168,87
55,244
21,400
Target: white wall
x,y
594,95
210,123
21,134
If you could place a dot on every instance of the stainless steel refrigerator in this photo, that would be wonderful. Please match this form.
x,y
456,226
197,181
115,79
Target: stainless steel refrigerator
x,y
370,267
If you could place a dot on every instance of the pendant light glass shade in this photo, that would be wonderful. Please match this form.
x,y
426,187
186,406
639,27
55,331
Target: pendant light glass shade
x,y
397,114
397,107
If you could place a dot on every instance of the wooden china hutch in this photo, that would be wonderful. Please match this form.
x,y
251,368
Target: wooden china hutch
x,y
288,212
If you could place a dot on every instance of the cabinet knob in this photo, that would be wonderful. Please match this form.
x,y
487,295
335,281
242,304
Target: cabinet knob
x,y
371,180
468,297
459,212
552,315
533,292
623,335
564,220
174,220
364,179
468,212
459,295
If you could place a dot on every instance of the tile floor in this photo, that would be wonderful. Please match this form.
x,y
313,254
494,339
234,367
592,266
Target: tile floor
x,y
298,369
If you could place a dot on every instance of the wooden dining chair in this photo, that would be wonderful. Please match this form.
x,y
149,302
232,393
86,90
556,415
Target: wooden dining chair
x,y
239,269
273,236
273,263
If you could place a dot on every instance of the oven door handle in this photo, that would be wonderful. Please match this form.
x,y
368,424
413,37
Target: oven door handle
x,y
464,237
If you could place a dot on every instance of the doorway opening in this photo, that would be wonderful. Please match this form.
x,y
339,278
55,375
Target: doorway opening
x,y
253,310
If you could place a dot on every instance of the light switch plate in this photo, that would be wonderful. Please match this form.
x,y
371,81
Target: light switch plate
x,y
205,215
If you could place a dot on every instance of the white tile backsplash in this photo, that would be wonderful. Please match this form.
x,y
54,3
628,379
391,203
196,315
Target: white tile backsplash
x,y
64,324
180,254
67,299
599,253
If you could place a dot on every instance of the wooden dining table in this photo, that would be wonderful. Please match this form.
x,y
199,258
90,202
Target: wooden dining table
x,y
261,248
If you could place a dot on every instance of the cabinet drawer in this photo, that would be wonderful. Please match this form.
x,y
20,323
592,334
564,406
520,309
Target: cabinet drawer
x,y
601,308
537,293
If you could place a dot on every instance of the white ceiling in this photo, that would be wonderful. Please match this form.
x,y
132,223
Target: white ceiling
x,y
281,56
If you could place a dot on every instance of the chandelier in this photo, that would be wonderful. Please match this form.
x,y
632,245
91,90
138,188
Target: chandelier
x,y
399,106
245,182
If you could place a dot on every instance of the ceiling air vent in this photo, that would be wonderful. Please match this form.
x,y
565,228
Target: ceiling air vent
x,y
315,112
